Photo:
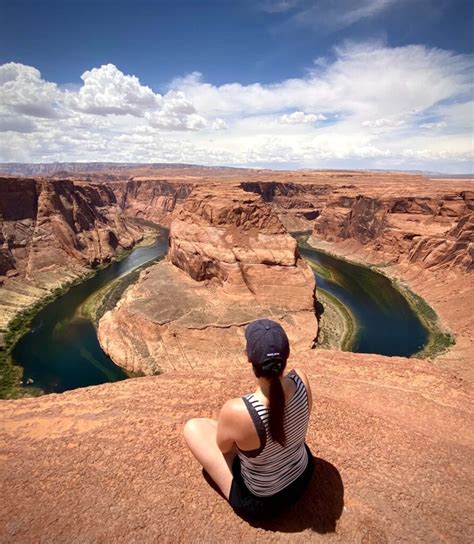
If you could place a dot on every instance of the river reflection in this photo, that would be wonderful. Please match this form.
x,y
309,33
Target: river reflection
x,y
387,324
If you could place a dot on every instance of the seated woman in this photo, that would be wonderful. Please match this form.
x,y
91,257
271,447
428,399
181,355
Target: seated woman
x,y
255,452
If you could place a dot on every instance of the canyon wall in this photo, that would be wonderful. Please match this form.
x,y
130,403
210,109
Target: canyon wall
x,y
53,231
396,216
230,261
49,224
435,230
297,204
151,199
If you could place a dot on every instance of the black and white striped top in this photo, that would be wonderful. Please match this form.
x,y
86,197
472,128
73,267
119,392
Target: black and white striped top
x,y
270,468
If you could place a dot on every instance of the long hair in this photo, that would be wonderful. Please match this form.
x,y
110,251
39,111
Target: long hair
x,y
272,370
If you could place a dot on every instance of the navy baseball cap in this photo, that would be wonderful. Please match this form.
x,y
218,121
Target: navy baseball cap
x,y
266,340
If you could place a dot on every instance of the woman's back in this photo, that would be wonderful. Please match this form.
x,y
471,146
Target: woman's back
x,y
271,467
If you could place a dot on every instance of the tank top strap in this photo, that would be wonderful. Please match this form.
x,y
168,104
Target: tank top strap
x,y
300,385
254,408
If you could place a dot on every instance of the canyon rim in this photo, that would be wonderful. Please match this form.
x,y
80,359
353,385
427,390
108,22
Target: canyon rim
x,y
389,433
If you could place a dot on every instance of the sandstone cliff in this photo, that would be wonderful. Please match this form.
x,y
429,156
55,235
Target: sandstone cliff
x,y
152,199
434,231
230,261
52,231
296,203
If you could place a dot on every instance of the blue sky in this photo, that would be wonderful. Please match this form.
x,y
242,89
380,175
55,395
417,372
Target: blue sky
x,y
279,83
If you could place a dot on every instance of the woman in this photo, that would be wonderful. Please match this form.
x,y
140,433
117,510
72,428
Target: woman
x,y
255,452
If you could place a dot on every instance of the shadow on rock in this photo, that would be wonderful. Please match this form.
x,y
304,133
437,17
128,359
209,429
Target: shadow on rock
x,y
319,309
318,509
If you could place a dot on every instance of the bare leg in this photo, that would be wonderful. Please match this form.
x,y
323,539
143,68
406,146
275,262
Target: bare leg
x,y
200,436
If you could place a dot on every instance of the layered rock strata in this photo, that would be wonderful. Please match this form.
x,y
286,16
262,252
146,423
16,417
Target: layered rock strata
x,y
230,261
152,199
433,231
47,241
53,231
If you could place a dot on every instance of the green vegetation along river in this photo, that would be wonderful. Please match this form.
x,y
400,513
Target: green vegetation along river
x,y
61,351
383,321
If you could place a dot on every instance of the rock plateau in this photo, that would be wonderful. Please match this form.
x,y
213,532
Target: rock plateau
x,y
230,261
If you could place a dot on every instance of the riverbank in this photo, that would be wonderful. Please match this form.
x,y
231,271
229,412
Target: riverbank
x,y
11,375
337,325
439,339
105,299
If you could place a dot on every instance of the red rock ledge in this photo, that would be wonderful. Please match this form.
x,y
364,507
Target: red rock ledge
x,y
230,261
393,438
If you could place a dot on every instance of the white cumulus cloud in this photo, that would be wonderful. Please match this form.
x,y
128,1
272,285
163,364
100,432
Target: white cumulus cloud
x,y
23,92
368,106
299,117
107,90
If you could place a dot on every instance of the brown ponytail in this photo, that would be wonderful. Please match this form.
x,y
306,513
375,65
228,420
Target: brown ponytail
x,y
273,370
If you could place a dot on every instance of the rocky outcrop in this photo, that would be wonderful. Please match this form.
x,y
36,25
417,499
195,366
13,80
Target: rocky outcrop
x,y
434,231
453,250
230,261
52,231
231,235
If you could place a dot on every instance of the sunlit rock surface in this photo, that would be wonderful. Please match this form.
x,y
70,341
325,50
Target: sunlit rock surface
x,y
434,230
52,232
393,439
393,436
230,261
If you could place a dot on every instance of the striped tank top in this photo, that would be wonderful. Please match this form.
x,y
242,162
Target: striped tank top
x,y
270,468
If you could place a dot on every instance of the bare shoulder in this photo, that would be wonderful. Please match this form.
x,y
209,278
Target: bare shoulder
x,y
232,408
305,380
302,374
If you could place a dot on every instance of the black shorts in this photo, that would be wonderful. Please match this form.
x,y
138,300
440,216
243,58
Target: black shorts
x,y
250,506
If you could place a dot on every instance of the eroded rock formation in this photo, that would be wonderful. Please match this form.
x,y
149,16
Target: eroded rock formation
x,y
434,231
230,261
52,231
49,224
393,437
152,199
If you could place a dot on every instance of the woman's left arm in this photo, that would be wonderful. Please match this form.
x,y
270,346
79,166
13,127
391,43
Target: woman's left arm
x,y
226,424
